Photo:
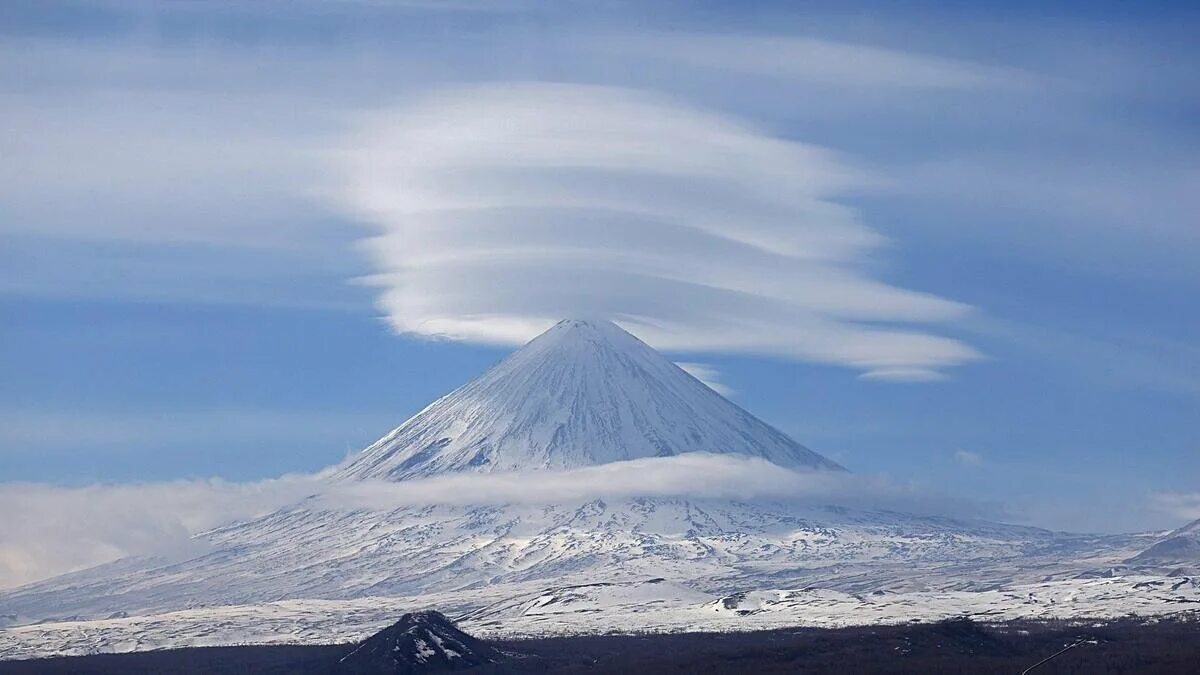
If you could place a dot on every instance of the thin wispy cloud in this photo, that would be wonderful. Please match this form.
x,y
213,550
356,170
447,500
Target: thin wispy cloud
x,y
967,457
1182,505
503,208
1149,204
707,374
814,60
903,374
31,431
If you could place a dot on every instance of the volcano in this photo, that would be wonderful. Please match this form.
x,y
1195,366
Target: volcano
x,y
582,393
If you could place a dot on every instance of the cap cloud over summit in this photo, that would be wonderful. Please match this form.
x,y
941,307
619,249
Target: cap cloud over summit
x,y
500,207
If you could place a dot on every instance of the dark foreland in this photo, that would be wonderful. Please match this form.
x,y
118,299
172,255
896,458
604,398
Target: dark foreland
x,y
952,646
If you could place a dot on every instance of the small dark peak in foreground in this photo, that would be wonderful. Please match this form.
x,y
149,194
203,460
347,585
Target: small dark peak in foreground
x,y
420,642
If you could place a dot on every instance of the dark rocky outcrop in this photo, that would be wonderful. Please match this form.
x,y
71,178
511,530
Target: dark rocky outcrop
x,y
420,642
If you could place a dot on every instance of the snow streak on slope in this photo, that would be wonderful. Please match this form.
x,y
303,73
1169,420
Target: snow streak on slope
x,y
582,393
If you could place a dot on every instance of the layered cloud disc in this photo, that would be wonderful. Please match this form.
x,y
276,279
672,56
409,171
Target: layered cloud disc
x,y
503,208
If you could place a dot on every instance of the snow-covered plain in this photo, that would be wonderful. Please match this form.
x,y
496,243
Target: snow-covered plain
x,y
648,606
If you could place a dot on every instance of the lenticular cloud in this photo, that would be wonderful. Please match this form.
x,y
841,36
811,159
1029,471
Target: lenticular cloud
x,y
503,208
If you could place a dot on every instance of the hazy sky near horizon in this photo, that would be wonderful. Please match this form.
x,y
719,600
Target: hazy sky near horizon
x,y
955,246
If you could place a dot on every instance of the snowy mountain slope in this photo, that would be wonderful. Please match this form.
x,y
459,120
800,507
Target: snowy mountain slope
x,y
582,393
1179,549
305,552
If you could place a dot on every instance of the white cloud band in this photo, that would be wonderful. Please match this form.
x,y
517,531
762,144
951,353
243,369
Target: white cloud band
x,y
50,529
503,208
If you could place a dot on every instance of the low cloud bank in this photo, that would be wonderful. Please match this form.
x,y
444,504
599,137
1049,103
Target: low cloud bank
x,y
1183,505
50,530
693,475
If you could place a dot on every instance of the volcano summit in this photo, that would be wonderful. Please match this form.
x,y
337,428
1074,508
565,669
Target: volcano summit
x,y
582,393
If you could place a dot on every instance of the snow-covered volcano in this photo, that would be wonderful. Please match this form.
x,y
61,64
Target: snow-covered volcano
x,y
582,393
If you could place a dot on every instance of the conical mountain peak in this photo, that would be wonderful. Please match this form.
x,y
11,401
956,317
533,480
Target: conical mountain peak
x,y
584,392
420,642
584,330
584,325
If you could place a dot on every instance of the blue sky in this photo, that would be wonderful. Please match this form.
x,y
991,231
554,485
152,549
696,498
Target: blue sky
x,y
193,194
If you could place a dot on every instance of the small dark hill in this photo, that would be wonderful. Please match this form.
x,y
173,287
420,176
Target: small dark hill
x,y
420,642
